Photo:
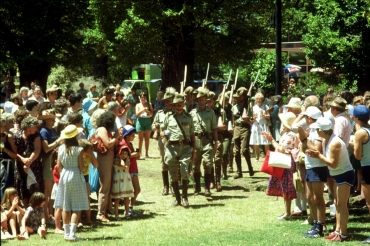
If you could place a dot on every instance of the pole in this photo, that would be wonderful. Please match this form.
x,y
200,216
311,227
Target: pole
x,y
278,49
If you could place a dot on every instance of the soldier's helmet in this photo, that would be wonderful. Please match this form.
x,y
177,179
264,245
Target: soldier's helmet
x,y
178,98
202,92
170,93
212,96
188,90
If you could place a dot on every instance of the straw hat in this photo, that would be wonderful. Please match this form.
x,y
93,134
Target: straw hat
x,y
70,131
287,119
294,102
52,89
339,103
47,114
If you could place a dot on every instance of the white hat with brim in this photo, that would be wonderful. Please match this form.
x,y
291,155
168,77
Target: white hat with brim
x,y
294,102
313,112
10,107
322,123
52,89
287,119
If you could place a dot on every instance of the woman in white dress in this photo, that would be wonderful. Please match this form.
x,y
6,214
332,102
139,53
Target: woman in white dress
x,y
261,116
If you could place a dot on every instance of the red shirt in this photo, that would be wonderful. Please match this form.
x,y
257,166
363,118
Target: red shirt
x,y
56,175
133,162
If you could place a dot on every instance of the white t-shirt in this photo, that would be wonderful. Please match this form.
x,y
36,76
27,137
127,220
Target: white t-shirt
x,y
344,164
120,122
311,162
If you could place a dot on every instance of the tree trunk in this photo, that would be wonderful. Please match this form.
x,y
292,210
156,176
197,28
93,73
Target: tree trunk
x,y
34,70
179,51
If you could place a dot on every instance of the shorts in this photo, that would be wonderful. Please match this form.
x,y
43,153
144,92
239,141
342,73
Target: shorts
x,y
345,178
317,174
54,191
365,175
86,177
143,124
134,175
47,173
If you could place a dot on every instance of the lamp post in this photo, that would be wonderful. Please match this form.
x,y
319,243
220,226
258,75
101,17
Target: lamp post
x,y
278,47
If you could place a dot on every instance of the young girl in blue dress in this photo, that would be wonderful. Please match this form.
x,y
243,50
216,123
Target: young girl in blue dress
x,y
71,195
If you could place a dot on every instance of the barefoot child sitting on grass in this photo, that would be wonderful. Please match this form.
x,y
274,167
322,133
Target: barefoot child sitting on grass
x,y
34,218
13,211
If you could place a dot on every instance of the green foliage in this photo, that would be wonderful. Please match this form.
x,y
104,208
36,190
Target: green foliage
x,y
262,60
62,77
336,38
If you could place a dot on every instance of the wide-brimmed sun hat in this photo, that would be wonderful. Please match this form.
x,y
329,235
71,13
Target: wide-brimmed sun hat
x,y
295,103
70,131
287,119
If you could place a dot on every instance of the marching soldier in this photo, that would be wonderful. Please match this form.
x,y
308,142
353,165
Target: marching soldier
x,y
189,102
178,129
241,132
158,120
227,154
221,127
205,124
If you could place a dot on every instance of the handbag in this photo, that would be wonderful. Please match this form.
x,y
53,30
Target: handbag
x,y
276,172
278,159
98,145
94,179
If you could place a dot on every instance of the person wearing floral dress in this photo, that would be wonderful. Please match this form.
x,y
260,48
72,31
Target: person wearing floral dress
x,y
284,187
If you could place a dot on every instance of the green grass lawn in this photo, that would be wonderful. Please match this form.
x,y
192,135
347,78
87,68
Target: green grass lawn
x,y
239,215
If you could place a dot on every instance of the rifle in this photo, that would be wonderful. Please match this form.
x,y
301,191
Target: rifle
x,y
183,82
205,80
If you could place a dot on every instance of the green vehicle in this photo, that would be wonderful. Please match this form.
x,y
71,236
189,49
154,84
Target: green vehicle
x,y
150,87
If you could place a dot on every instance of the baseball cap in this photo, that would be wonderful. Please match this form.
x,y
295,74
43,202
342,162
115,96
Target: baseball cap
x,y
127,129
313,112
322,123
361,112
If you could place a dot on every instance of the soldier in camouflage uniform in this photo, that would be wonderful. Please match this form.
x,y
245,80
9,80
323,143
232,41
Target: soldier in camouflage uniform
x,y
178,128
157,122
205,124
241,132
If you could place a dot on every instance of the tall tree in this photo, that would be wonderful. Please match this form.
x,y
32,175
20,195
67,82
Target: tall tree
x,y
339,37
176,33
35,32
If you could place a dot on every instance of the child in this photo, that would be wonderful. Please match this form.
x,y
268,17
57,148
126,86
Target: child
x,y
128,136
34,218
4,226
57,211
76,119
122,185
89,157
71,194
13,211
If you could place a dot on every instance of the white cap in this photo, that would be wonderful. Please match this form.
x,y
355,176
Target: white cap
x,y
313,112
329,116
10,107
322,123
